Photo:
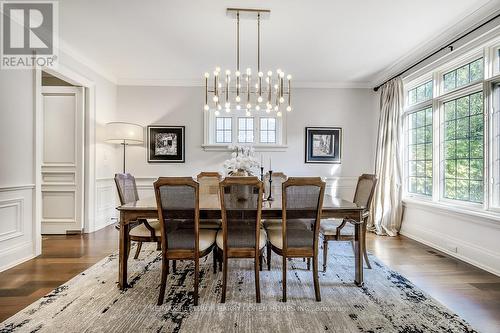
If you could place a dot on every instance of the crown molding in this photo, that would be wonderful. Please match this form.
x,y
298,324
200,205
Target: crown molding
x,y
78,57
465,23
199,83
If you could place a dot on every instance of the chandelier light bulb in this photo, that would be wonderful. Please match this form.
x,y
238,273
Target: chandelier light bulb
x,y
289,77
269,73
267,79
259,99
278,71
268,110
276,86
228,72
228,110
248,114
206,107
249,106
217,112
227,105
289,108
282,74
215,98
217,69
207,75
276,108
256,86
237,73
237,99
282,99
249,71
219,107
257,107
216,73
261,74
220,85
238,106
279,114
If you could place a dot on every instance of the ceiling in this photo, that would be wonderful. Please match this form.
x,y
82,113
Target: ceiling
x,y
322,43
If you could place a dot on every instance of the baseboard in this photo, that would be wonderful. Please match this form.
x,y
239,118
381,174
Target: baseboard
x,y
24,250
493,270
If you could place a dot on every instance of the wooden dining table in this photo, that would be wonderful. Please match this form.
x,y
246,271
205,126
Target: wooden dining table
x,y
210,209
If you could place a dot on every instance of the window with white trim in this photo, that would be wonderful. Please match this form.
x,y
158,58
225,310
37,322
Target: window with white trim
x,y
452,133
245,130
223,130
267,130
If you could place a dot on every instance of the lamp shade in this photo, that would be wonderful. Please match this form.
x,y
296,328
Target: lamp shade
x,y
120,132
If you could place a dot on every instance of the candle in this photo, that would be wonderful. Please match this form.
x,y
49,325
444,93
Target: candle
x,y
270,168
261,164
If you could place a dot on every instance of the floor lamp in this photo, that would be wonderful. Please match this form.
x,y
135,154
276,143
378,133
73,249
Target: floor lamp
x,y
124,134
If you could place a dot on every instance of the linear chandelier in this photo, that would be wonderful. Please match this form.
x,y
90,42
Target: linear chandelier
x,y
242,91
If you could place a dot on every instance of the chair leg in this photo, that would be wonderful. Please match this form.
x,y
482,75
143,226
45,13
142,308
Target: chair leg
x,y
283,278
220,258
164,274
138,250
174,266
196,280
261,260
257,279
268,256
308,264
129,245
325,254
158,246
224,278
365,254
214,254
315,278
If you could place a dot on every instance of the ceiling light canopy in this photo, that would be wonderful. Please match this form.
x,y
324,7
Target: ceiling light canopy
x,y
249,90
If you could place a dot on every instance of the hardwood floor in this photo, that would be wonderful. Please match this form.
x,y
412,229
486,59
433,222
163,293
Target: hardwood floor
x,y
470,292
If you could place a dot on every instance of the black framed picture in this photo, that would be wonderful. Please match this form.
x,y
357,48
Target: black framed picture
x,y
323,145
166,144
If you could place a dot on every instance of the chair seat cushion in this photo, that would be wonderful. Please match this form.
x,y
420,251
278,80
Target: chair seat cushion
x,y
183,239
210,224
329,227
296,238
242,238
142,231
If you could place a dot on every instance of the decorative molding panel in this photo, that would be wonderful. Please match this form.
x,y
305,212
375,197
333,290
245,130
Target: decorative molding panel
x,y
106,202
11,217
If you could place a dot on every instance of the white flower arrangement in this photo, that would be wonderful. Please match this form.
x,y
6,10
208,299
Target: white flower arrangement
x,y
242,160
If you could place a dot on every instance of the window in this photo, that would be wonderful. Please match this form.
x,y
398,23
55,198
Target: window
x,y
245,129
420,152
464,75
268,130
420,94
464,148
223,131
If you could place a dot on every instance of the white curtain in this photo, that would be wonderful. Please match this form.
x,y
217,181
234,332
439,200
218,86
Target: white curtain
x,y
386,206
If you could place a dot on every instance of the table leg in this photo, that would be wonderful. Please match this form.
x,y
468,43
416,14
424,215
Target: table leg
x,y
359,243
123,251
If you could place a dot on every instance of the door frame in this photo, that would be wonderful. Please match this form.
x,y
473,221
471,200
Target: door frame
x,y
89,166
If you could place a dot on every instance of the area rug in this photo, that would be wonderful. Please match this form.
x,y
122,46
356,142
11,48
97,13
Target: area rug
x,y
91,302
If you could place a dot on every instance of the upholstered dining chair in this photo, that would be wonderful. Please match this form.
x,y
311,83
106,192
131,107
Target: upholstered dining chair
x,y
177,199
209,185
342,230
241,235
302,201
144,230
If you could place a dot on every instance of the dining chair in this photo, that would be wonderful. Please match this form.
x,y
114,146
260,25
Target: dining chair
x,y
209,185
277,180
341,229
241,235
144,230
177,199
302,201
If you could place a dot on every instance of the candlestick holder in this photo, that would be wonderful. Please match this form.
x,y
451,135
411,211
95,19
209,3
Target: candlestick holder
x,y
270,197
261,174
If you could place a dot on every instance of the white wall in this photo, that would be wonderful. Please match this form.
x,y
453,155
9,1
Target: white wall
x,y
352,109
471,238
18,238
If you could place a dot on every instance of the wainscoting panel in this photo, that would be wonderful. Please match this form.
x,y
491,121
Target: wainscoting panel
x,y
106,203
16,225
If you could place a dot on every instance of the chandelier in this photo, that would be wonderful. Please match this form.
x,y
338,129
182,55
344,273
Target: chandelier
x,y
269,92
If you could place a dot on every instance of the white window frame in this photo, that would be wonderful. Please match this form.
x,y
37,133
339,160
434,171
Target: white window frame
x,y
487,48
276,129
245,129
224,129
209,139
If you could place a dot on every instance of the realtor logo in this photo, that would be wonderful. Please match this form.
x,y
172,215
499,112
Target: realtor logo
x,y
29,34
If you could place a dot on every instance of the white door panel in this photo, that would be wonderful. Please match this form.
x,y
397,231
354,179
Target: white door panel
x,y
62,165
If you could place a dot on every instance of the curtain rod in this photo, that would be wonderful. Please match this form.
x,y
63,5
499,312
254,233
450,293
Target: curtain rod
x,y
448,46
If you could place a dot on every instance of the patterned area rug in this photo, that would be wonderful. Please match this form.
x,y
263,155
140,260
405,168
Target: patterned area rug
x,y
91,302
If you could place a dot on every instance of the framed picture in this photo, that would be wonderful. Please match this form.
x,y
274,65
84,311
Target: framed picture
x,y
166,144
323,145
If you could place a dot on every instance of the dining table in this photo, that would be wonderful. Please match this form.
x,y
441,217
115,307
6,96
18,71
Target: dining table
x,y
209,205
